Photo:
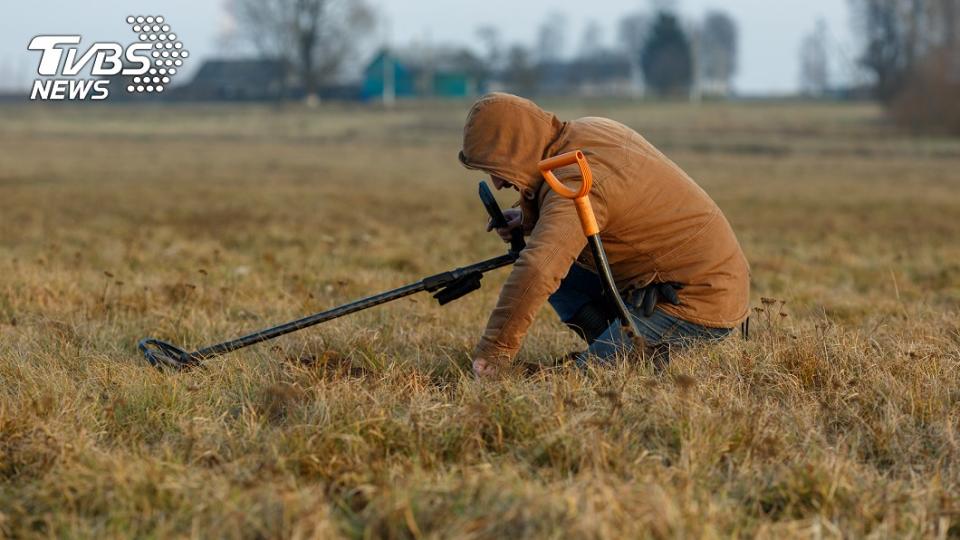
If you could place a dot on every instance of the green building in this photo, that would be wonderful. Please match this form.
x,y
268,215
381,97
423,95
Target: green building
x,y
424,73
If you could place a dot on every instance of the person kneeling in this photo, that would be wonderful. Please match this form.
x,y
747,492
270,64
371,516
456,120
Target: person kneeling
x,y
674,255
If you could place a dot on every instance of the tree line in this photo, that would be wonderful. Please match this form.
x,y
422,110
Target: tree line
x,y
909,49
667,56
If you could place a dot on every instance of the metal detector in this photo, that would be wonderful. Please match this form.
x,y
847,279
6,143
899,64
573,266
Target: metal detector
x,y
446,287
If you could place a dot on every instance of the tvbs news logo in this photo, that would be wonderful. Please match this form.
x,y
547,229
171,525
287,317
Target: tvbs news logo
x,y
146,66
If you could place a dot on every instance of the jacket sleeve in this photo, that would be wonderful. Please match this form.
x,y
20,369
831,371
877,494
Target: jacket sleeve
x,y
556,240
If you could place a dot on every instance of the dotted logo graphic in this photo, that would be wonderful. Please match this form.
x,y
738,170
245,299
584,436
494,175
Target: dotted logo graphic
x,y
167,55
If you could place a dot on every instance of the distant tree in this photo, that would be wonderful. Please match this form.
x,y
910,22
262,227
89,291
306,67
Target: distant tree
x,y
550,38
884,52
889,32
666,59
489,36
315,37
911,49
948,12
591,42
928,97
942,19
521,72
632,33
815,62
717,54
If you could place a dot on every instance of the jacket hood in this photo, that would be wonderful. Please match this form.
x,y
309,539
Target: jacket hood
x,y
507,136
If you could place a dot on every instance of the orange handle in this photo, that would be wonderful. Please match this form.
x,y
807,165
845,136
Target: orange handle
x,y
581,198
546,169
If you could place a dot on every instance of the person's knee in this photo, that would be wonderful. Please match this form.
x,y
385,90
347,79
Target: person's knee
x,y
577,289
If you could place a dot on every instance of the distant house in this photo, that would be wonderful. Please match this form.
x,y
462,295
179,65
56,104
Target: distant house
x,y
604,75
394,74
254,80
607,75
238,80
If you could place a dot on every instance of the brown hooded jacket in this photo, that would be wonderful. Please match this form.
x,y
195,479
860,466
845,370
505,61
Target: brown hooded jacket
x,y
656,223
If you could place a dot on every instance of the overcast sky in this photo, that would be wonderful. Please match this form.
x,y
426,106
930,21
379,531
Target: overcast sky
x,y
770,30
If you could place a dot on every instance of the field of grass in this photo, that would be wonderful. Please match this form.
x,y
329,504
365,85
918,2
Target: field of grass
x,y
840,417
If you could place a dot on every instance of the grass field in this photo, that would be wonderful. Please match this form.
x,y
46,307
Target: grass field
x,y
838,418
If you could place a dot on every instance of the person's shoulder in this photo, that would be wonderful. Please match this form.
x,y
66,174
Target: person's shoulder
x,y
598,127
599,121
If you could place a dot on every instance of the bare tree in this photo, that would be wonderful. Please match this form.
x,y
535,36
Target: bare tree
x,y
522,73
943,22
315,37
489,35
815,62
632,33
550,38
890,31
898,35
927,79
591,41
717,53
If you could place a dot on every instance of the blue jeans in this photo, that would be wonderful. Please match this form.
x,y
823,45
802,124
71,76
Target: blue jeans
x,y
660,330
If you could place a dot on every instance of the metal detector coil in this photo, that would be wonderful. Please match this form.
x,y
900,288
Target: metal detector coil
x,y
163,355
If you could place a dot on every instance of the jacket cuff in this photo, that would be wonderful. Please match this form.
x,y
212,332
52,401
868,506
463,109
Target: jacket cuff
x,y
491,352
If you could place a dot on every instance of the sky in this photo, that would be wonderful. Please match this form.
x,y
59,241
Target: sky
x,y
770,30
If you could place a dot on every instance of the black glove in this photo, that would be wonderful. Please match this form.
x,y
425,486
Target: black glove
x,y
655,293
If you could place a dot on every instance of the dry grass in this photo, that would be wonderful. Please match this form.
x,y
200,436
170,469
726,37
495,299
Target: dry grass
x,y
839,419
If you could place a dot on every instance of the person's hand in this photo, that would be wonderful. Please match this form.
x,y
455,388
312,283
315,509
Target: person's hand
x,y
514,217
484,369
657,293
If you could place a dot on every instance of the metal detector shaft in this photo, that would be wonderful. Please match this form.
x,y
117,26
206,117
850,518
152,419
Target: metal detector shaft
x,y
448,286
429,284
